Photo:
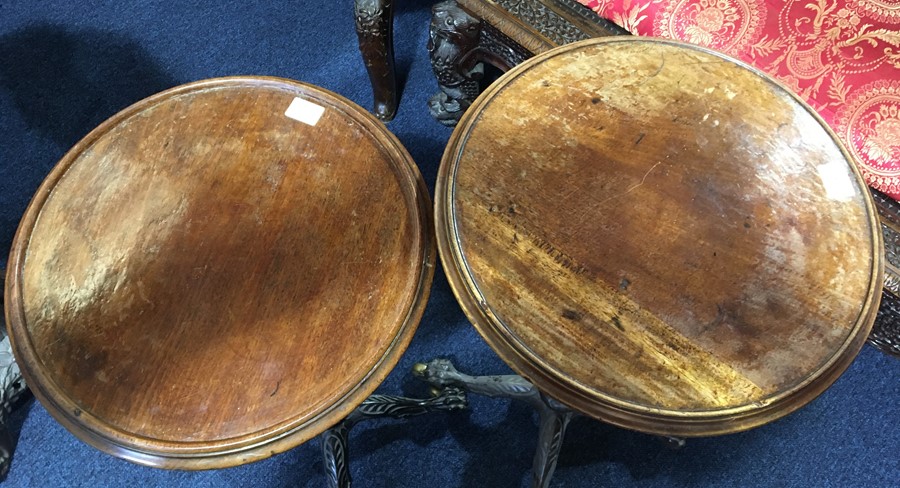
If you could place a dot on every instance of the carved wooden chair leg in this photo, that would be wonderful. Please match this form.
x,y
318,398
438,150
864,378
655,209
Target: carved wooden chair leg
x,y
334,440
375,29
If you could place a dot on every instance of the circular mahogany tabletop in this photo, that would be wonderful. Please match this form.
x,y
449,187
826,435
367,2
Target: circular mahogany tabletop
x,y
220,272
659,236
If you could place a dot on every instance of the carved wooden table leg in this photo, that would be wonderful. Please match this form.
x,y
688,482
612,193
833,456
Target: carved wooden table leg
x,y
554,417
334,440
12,387
375,28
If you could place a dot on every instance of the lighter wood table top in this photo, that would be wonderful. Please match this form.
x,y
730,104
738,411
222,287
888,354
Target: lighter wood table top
x,y
659,236
210,277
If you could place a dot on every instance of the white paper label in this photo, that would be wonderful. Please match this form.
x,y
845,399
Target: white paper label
x,y
305,111
837,183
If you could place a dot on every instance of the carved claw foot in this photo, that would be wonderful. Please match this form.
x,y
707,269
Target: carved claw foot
x,y
438,372
442,373
447,110
334,441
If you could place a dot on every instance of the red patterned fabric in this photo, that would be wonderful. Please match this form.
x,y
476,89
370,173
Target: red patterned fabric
x,y
841,56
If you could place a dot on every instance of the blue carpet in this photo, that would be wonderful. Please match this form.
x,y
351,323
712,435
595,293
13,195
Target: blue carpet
x,y
66,66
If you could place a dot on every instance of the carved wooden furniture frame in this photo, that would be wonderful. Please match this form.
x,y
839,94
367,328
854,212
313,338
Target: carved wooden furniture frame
x,y
503,32
464,34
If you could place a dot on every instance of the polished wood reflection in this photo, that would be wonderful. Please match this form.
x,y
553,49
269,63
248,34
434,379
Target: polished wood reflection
x,y
659,236
209,278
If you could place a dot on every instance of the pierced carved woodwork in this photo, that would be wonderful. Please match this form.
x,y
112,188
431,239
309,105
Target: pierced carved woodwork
x,y
500,50
886,330
374,27
545,20
571,11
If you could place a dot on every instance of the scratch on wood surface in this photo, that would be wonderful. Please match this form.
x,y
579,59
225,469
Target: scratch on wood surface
x,y
662,64
639,139
630,189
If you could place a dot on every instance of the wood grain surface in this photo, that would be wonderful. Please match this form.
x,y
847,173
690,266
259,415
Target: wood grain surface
x,y
205,281
659,236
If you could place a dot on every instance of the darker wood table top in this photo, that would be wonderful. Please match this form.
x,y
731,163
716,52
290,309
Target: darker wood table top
x,y
659,236
220,272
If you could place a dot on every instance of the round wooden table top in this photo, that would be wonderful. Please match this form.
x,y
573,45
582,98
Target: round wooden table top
x,y
659,236
220,272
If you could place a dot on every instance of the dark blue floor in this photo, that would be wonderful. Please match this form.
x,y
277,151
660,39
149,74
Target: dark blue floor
x,y
66,66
